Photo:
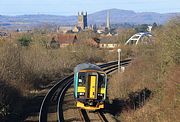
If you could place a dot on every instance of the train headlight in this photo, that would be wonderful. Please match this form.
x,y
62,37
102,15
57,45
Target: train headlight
x,y
81,93
99,94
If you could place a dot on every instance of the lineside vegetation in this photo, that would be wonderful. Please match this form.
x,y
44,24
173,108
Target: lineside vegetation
x,y
149,89
28,64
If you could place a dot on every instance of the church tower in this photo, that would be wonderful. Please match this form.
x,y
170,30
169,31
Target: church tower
x,y
82,20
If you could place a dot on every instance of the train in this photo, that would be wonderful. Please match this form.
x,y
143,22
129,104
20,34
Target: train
x,y
90,86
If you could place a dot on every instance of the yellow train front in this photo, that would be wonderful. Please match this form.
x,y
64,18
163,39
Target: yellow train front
x,y
90,86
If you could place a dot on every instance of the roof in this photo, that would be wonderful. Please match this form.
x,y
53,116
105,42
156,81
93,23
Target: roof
x,y
66,38
89,41
77,27
86,66
92,40
3,34
107,40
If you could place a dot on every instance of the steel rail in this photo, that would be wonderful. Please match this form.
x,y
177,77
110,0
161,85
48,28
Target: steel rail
x,y
84,115
59,109
66,82
60,100
101,116
46,100
116,65
113,63
81,115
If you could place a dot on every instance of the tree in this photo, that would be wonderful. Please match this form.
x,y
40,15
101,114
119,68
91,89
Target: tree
x,y
142,28
54,44
154,25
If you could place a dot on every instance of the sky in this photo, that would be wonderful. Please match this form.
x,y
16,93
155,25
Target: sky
x,y
71,7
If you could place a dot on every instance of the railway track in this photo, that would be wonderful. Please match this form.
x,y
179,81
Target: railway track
x,y
51,107
99,116
84,115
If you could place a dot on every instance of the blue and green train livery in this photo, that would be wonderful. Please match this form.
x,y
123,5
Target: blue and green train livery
x,y
90,86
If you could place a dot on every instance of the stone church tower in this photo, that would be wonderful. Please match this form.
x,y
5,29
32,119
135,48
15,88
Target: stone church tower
x,y
82,20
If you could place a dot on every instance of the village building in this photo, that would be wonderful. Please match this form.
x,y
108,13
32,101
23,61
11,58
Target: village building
x,y
93,42
64,29
107,44
76,29
3,34
109,34
66,39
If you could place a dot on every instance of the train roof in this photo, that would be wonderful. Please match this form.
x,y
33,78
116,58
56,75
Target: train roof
x,y
86,66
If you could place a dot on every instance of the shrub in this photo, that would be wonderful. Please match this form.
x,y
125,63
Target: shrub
x,y
8,98
155,67
25,40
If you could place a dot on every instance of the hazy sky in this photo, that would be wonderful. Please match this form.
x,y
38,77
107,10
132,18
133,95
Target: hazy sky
x,y
71,7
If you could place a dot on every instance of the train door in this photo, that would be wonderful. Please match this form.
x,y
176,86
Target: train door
x,y
92,84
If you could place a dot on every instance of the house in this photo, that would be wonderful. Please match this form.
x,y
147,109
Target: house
x,y
109,34
64,29
108,44
76,29
93,42
66,39
3,34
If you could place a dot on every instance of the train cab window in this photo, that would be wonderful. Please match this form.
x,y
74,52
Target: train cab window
x,y
101,80
81,79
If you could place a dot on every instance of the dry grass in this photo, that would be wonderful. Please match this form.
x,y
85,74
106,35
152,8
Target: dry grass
x,y
35,65
30,67
25,68
163,104
8,99
148,90
156,69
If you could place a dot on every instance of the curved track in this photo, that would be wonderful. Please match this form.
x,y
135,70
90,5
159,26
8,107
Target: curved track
x,y
54,98
84,116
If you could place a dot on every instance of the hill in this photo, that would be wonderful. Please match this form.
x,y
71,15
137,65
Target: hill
x,y
126,16
117,16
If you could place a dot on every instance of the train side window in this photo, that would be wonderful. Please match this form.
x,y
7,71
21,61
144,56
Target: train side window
x,y
101,80
81,79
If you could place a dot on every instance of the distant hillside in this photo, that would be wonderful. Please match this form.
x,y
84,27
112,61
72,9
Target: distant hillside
x,y
117,16
126,16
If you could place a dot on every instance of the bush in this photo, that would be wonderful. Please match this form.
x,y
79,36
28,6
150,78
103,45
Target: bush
x,y
38,65
8,98
156,67
25,40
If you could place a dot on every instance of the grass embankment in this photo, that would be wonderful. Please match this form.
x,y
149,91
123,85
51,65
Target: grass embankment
x,y
149,89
